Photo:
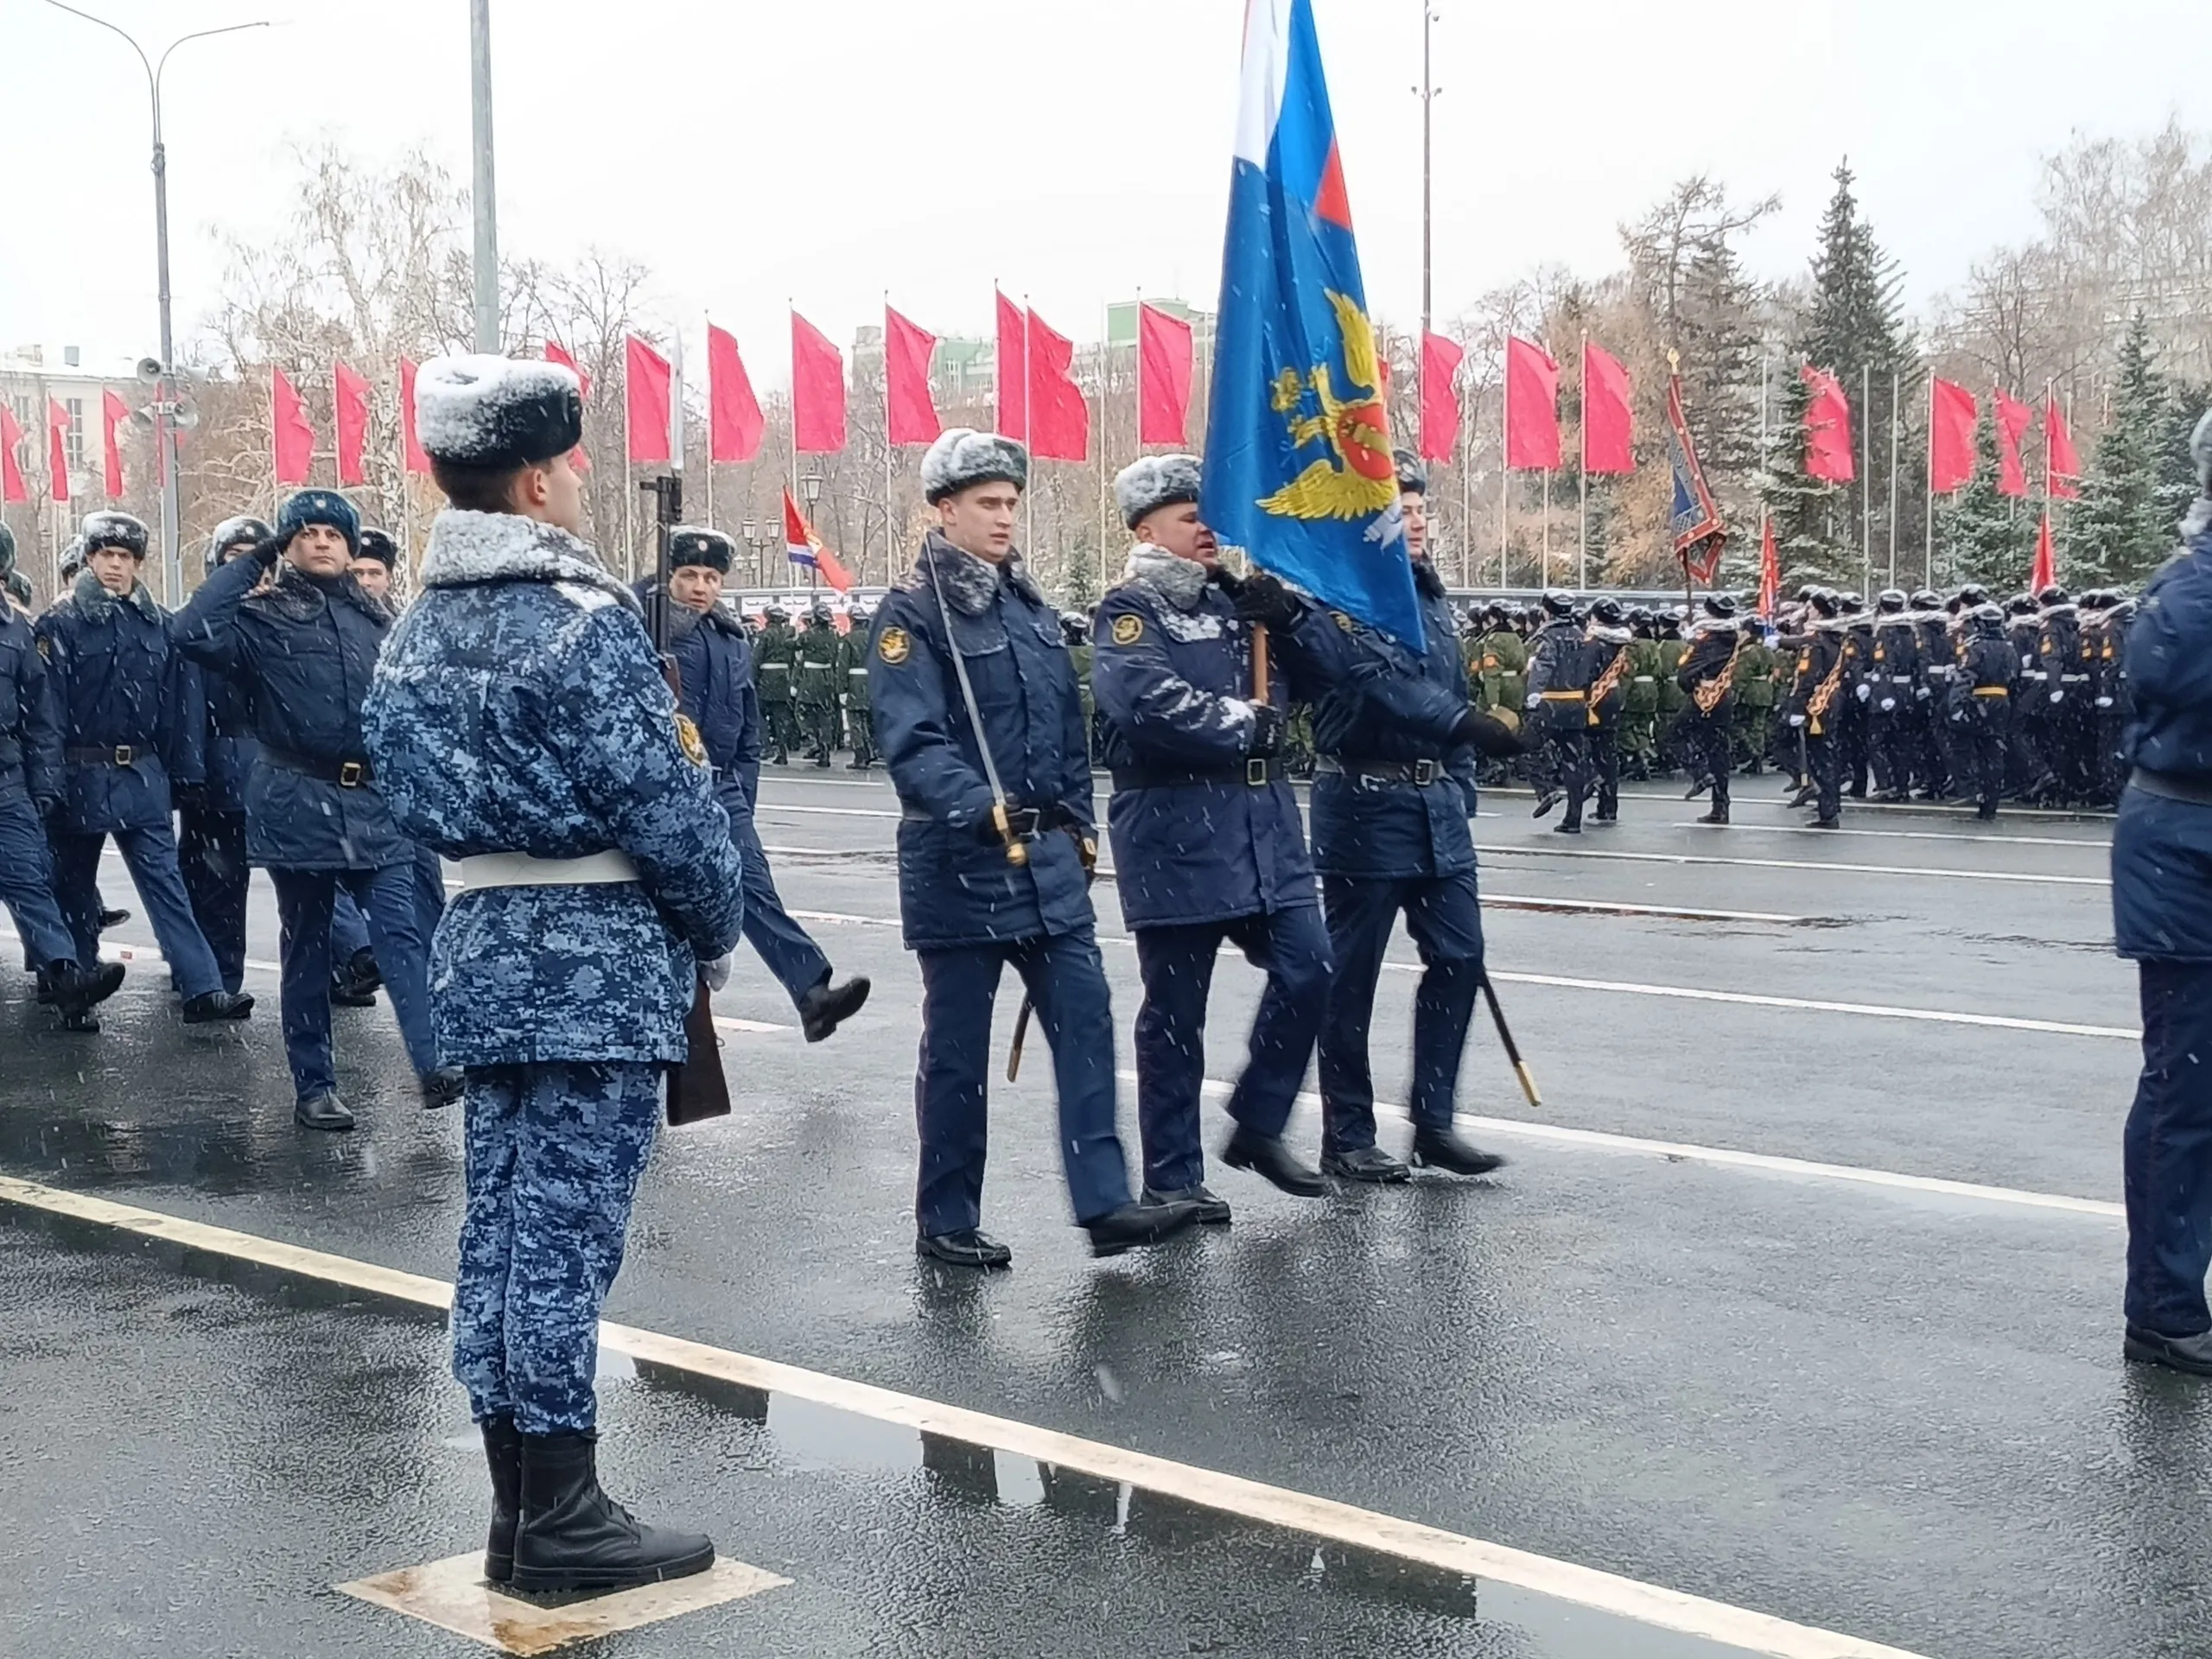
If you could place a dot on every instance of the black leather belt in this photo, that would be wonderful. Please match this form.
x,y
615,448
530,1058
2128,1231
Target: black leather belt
x,y
115,754
1253,774
1423,773
2172,786
347,774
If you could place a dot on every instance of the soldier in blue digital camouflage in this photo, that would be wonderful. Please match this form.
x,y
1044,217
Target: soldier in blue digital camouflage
x,y
520,724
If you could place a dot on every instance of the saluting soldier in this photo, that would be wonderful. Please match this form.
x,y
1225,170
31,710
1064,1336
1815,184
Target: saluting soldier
x,y
1707,677
519,722
975,703
1208,845
1611,654
1395,787
1557,704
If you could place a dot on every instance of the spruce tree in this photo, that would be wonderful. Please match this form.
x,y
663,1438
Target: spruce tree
x,y
1983,537
2122,529
1855,329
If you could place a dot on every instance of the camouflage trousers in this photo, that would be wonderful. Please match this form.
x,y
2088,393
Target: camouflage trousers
x,y
554,1154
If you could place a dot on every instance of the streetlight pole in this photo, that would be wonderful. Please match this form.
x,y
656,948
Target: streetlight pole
x,y
484,199
165,399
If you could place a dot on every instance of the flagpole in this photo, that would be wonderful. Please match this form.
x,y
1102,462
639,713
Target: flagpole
x,y
406,498
1582,534
710,421
1105,360
1897,387
1504,456
889,468
1028,435
1928,550
1467,571
628,483
1866,471
791,314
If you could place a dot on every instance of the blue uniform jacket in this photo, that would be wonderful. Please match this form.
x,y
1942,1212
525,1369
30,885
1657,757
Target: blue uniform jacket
x,y
1172,674
714,666
954,888
30,737
117,681
2161,848
518,707
307,647
1395,704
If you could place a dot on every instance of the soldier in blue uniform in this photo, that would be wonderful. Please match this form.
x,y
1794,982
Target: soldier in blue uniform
x,y
2162,916
1557,704
1393,791
714,662
1988,670
292,625
1208,845
211,816
520,724
127,702
30,788
994,853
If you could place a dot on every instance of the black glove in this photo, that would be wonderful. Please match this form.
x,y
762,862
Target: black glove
x,y
1263,600
1268,724
1491,737
1022,825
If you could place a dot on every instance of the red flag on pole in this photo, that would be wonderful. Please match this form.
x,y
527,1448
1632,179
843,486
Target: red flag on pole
x,y
2013,419
817,389
1163,377
1769,568
113,412
734,425
805,548
1440,357
416,460
12,487
557,352
1059,420
291,435
350,406
2046,570
1531,408
1012,361
1953,413
57,453
1827,427
2062,468
645,383
910,412
1608,420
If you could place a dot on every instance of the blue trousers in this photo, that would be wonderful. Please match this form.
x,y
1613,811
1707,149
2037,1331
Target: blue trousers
x,y
429,894
211,856
1066,977
1292,947
554,1152
304,901
150,856
2168,1150
1445,916
349,929
787,949
27,886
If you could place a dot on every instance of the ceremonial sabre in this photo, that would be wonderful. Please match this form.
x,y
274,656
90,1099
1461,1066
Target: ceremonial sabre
x,y
1512,1049
1016,853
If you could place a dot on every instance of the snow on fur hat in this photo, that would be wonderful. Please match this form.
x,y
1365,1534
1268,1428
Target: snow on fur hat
x,y
497,413
1152,482
378,545
106,529
319,507
963,458
1413,475
242,530
690,544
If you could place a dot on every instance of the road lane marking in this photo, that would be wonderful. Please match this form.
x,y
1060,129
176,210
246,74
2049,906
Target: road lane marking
x,y
1233,1495
2103,847
1532,850
1685,1151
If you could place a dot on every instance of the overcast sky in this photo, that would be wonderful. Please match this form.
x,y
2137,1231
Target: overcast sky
x,y
1077,150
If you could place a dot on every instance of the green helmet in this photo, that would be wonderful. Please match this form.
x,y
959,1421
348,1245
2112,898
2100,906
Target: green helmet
x,y
7,551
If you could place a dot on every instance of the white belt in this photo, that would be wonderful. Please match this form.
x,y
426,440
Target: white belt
x,y
521,870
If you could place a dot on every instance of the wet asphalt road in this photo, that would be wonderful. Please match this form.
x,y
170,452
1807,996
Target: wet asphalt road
x,y
1894,1414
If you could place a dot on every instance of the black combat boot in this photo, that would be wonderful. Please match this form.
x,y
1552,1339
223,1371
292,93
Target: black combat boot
x,y
571,1535
503,1452
1446,1150
1717,815
1208,1207
109,919
1266,1156
825,1007
444,1087
211,1006
75,990
1136,1225
323,1111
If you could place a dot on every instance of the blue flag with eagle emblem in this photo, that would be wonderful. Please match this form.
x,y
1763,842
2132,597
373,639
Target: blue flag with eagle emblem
x,y
1297,467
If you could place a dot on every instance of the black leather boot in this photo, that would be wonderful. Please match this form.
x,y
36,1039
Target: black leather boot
x,y
1446,1149
825,1007
572,1535
503,1452
1266,1156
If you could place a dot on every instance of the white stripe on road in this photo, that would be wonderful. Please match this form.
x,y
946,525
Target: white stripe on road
x,y
1534,851
1251,1500
1559,1135
1686,992
1986,840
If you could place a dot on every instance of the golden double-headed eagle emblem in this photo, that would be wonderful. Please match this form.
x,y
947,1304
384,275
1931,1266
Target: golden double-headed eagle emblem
x,y
1358,477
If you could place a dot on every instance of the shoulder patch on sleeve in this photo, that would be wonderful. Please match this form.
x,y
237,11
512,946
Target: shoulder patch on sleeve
x,y
1343,619
1127,629
893,645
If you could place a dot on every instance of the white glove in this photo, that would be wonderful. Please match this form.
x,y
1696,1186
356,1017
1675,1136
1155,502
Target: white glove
x,y
716,973
1864,690
1536,700
1888,704
2104,702
1921,692
1797,720
2058,697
